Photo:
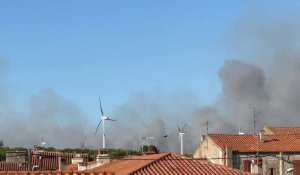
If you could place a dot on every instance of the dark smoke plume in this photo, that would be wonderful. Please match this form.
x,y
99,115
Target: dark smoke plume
x,y
262,72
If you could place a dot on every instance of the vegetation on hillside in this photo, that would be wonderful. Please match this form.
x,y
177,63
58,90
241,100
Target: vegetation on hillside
x,y
113,153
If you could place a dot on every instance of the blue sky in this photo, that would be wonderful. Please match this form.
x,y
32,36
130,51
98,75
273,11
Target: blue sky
x,y
83,49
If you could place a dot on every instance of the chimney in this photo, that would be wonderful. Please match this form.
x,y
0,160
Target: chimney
x,y
77,159
103,157
15,156
228,156
281,164
262,135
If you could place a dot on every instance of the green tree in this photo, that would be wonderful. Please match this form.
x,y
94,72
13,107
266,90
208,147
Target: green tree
x,y
147,148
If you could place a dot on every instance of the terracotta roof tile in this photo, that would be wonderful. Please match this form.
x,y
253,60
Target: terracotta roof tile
x,y
44,159
7,166
56,172
127,165
173,164
166,163
250,143
280,130
49,160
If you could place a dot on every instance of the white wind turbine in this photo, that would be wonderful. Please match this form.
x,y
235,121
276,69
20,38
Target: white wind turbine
x,y
181,133
43,142
103,118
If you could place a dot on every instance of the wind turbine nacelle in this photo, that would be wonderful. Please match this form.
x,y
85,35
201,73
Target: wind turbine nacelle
x,y
104,118
182,133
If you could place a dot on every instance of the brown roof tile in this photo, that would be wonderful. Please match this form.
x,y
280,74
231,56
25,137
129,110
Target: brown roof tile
x,y
173,164
281,130
7,166
49,160
44,159
166,163
56,172
127,165
250,143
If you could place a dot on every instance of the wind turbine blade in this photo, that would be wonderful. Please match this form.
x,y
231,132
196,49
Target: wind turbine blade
x,y
98,127
183,127
111,119
178,128
101,107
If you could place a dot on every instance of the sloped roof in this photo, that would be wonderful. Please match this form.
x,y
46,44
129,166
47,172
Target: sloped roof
x,y
57,172
13,166
166,164
281,130
44,159
174,164
130,164
47,160
251,143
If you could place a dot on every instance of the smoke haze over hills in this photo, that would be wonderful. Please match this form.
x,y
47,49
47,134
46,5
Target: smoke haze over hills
x,y
263,72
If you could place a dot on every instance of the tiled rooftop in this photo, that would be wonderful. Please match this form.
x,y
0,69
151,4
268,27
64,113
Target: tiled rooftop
x,y
44,159
279,130
49,160
130,164
251,143
54,173
174,164
166,164
162,164
6,166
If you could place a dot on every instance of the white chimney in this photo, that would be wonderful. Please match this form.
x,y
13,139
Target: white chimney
x,y
262,135
77,159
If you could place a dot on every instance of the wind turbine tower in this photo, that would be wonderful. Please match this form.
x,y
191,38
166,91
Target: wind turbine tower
x,y
181,134
43,142
103,118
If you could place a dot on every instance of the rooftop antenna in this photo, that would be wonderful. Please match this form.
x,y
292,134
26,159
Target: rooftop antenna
x,y
103,118
206,127
254,121
181,133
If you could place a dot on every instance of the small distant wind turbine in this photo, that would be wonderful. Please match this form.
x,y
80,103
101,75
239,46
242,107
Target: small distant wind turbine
x,y
103,118
147,137
181,133
43,142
